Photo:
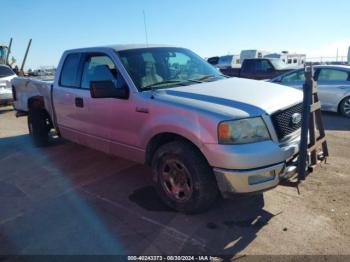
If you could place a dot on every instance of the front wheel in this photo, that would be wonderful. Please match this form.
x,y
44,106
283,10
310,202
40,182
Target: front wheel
x,y
39,126
183,179
345,107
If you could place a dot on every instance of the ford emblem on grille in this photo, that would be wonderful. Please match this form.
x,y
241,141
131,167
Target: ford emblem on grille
x,y
296,118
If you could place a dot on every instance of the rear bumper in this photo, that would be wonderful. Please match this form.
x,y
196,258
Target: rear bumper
x,y
254,180
5,98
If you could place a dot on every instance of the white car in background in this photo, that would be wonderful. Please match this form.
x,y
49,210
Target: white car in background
x,y
6,75
333,83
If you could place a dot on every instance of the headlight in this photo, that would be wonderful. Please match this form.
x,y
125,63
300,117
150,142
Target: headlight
x,y
243,131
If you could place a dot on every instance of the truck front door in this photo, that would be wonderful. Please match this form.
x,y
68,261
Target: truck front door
x,y
110,124
107,124
332,84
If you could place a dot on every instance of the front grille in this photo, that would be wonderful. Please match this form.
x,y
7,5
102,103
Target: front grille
x,y
282,121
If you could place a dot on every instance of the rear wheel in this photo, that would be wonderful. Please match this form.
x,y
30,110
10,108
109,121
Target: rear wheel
x,y
39,126
183,179
345,107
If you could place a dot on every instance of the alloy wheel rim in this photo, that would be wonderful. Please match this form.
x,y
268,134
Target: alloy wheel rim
x,y
346,106
176,180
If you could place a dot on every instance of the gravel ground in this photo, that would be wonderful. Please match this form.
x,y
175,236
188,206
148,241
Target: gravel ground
x,y
68,199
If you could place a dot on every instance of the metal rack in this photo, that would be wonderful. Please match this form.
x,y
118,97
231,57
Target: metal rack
x,y
314,151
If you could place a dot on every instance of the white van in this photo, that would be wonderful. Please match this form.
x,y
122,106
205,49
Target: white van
x,y
250,54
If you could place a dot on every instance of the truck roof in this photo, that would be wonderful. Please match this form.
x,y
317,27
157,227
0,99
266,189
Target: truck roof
x,y
122,47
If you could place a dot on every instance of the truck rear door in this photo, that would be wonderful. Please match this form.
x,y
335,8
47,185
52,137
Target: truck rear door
x,y
66,93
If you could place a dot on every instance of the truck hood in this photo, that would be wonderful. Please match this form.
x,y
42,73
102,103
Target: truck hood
x,y
236,97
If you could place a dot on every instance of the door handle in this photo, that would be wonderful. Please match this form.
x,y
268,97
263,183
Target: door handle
x,y
79,102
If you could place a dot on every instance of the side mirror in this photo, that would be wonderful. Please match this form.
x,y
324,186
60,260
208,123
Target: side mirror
x,y
107,89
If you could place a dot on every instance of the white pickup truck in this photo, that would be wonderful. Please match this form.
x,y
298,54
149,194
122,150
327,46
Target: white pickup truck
x,y
6,75
203,134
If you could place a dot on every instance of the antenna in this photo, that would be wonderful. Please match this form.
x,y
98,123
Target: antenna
x,y
144,21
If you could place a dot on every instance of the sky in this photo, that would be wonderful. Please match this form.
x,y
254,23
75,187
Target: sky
x,y
209,28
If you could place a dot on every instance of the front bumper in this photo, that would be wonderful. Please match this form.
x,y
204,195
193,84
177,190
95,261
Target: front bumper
x,y
253,167
245,181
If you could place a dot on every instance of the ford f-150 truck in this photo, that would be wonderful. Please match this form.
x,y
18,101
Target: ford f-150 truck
x,y
257,68
203,134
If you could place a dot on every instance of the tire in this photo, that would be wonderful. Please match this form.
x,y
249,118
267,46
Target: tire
x,y
183,178
38,126
344,107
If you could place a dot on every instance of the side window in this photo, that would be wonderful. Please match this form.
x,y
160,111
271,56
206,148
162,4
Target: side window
x,y
213,60
225,60
250,66
295,76
69,75
98,68
327,74
5,71
264,66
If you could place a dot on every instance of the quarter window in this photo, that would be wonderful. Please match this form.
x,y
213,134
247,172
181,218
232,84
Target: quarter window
x,y
327,74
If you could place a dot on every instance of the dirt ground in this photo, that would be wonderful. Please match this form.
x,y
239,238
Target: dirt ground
x,y
68,199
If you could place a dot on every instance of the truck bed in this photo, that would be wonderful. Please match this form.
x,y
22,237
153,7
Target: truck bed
x,y
230,71
25,88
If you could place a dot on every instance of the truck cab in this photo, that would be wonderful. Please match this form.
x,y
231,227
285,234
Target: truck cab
x,y
257,68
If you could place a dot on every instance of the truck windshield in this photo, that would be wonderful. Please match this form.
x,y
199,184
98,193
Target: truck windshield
x,y
5,71
164,67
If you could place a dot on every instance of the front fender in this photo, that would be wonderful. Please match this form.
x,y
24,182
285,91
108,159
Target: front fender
x,y
175,124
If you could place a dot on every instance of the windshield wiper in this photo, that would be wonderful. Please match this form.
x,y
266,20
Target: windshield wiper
x,y
162,83
204,78
180,82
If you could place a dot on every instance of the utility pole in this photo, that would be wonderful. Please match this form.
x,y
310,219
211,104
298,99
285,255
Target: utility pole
x,y
8,52
25,57
144,21
337,55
